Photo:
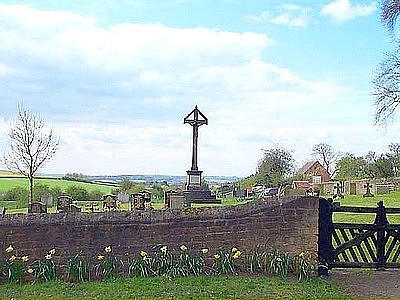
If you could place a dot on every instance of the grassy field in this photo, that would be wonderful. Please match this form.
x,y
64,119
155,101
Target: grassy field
x,y
202,287
390,200
8,183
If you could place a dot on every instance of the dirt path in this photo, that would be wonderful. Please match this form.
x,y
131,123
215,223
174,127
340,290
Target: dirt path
x,y
367,283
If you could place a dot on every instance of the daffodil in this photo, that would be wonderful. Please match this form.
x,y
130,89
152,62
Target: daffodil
x,y
279,259
25,258
100,257
107,249
164,249
237,254
143,253
183,248
217,256
30,270
12,258
204,250
9,249
48,256
52,251
234,249
145,258
301,255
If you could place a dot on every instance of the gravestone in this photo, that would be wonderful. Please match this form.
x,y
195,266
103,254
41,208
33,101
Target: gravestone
x,y
167,197
338,190
2,210
37,208
123,197
177,202
137,201
110,202
368,187
47,199
194,193
65,205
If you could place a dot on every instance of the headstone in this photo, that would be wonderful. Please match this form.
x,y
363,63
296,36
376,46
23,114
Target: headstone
x,y
137,201
368,187
177,202
64,203
37,208
47,199
338,190
167,197
110,202
2,210
123,197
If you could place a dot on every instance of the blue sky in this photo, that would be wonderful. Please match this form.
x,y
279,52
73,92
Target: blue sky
x,y
116,78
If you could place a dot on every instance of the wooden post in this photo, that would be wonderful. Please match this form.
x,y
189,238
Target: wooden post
x,y
381,222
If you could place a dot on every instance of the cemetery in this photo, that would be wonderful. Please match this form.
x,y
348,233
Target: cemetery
x,y
288,230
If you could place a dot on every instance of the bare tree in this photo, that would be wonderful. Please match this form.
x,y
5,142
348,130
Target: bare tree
x,y
30,146
390,10
325,154
386,81
386,88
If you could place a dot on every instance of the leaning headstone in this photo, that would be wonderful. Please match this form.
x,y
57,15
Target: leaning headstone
x,y
37,208
368,187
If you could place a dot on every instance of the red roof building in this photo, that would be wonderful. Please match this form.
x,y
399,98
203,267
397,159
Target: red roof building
x,y
314,172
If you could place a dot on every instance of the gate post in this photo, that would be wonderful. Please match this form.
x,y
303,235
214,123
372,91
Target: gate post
x,y
381,223
325,248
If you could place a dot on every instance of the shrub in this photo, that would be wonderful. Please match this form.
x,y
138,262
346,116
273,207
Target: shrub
x,y
78,193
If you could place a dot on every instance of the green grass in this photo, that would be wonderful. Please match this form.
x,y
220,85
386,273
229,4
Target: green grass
x,y
8,183
390,200
202,287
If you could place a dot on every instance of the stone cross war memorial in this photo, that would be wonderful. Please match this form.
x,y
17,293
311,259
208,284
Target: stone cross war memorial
x,y
194,193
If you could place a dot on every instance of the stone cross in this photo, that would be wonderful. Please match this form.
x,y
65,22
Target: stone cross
x,y
195,118
368,193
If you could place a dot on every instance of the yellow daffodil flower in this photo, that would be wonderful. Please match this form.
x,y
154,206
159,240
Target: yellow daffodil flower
x,y
52,251
100,257
107,249
164,249
279,259
217,256
183,248
144,257
143,253
30,270
12,258
237,254
204,250
25,258
48,256
9,249
234,249
301,255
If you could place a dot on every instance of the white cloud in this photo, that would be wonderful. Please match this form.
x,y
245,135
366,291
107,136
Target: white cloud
x,y
117,95
343,10
287,14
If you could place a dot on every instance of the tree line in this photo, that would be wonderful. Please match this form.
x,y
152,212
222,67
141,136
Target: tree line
x,y
278,167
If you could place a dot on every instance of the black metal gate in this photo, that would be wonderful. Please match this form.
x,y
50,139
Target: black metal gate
x,y
352,245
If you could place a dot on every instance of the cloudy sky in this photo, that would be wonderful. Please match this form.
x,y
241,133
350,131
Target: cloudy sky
x,y
115,78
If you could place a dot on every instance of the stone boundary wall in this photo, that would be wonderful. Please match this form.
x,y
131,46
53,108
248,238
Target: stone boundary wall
x,y
291,225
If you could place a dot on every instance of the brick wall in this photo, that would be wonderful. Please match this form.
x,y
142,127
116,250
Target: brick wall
x,y
291,225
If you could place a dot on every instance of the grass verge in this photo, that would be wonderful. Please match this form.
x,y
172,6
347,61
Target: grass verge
x,y
202,287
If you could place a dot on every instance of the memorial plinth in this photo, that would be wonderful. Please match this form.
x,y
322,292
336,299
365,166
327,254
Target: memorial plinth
x,y
194,193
